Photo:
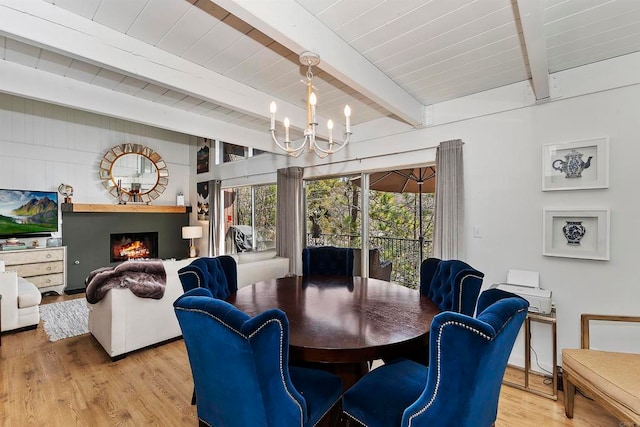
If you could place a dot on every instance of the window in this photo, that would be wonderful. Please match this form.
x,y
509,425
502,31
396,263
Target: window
x,y
250,218
333,212
232,152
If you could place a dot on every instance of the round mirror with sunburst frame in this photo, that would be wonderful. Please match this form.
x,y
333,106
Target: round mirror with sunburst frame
x,y
134,173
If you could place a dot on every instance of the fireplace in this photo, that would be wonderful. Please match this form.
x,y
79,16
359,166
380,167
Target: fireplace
x,y
126,246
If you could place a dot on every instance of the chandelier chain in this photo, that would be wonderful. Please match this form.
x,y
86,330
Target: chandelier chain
x,y
309,73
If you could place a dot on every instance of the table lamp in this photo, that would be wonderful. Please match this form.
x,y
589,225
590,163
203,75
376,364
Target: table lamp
x,y
192,232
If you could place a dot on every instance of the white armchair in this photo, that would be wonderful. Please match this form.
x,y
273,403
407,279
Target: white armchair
x,y
20,301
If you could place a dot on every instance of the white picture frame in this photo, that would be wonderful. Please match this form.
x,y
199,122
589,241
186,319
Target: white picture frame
x,y
562,171
594,243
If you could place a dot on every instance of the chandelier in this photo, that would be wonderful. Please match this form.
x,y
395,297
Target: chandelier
x,y
321,148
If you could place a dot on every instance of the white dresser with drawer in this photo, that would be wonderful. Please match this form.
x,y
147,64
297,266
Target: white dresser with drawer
x,y
44,267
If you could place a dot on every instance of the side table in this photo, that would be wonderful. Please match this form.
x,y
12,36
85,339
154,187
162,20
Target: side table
x,y
549,319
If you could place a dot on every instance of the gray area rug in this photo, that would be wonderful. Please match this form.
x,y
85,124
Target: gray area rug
x,y
65,319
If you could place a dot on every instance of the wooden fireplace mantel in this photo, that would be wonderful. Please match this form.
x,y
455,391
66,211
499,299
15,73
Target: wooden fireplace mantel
x,y
128,208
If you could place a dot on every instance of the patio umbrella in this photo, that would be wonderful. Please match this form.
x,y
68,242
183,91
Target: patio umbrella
x,y
412,180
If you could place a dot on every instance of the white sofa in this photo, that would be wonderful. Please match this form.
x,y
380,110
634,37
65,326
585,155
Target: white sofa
x,y
123,322
20,301
256,266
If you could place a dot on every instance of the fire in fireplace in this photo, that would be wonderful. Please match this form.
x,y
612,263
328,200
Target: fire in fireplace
x,y
126,246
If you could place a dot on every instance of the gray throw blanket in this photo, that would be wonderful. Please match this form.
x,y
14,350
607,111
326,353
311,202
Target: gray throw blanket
x,y
145,278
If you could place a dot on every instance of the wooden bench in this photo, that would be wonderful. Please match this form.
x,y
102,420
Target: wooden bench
x,y
611,379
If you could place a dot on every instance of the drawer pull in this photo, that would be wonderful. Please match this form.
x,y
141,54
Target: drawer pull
x,y
48,280
49,255
49,268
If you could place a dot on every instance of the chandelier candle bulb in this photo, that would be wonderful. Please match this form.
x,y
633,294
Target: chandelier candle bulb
x,y
347,116
312,101
330,126
272,108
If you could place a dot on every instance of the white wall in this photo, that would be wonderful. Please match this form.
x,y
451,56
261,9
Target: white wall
x,y
503,155
43,145
504,198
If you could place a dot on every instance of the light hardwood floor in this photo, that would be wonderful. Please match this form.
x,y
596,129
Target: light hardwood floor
x,y
72,382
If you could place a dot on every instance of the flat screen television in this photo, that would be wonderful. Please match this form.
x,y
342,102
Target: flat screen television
x,y
26,213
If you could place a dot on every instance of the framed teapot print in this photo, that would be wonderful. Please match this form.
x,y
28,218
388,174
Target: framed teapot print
x,y
576,165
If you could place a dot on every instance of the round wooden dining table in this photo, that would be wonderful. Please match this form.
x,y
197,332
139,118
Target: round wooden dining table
x,y
342,322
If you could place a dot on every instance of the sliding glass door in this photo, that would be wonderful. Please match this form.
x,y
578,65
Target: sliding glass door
x,y
399,220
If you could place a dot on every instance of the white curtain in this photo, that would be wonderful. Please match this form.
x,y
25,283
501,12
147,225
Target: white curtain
x,y
449,216
290,222
215,213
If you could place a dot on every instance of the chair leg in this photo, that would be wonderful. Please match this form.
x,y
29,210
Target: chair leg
x,y
569,395
193,397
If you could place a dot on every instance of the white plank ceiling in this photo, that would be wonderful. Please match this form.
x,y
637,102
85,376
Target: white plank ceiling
x,y
226,59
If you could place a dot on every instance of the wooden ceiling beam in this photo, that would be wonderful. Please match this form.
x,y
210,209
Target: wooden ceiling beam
x,y
31,83
53,28
533,32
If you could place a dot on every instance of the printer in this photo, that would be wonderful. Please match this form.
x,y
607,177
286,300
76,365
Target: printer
x,y
527,285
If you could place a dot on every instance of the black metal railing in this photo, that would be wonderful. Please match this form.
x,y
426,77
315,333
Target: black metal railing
x,y
403,253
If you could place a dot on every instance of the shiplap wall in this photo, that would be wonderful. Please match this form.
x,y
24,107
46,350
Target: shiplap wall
x,y
43,145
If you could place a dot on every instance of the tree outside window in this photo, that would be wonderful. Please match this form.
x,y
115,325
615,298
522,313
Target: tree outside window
x,y
334,217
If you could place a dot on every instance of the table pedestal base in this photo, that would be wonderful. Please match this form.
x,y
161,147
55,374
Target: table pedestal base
x,y
350,372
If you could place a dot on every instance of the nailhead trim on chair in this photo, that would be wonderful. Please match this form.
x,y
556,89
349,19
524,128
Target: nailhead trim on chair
x,y
191,272
439,341
255,332
354,418
462,289
281,366
435,391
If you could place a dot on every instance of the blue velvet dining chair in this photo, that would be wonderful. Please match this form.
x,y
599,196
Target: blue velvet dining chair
x,y
452,285
461,385
218,274
241,370
327,261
